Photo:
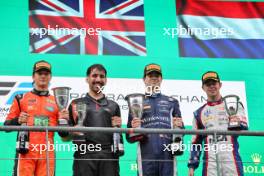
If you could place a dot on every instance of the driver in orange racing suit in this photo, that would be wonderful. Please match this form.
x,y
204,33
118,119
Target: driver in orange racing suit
x,y
36,108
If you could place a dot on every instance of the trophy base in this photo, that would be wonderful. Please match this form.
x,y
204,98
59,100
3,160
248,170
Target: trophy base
x,y
119,151
176,148
22,150
63,122
177,153
137,137
234,126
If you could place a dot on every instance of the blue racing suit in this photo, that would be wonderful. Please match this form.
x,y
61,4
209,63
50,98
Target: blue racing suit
x,y
152,156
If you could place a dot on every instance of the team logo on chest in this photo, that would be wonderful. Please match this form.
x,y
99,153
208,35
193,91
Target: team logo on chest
x,y
31,101
207,113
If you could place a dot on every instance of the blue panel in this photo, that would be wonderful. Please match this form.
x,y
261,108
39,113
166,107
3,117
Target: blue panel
x,y
222,48
111,48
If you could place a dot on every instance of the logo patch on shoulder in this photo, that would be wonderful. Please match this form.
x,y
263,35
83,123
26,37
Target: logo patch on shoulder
x,y
108,110
171,99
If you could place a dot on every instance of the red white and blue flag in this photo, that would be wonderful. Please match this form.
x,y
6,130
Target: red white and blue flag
x,y
97,27
224,29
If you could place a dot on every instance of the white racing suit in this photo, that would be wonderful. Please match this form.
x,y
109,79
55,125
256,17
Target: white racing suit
x,y
213,116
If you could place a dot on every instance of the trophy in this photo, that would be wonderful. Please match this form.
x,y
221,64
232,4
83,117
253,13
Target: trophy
x,y
177,141
118,144
81,111
135,105
61,95
231,106
22,144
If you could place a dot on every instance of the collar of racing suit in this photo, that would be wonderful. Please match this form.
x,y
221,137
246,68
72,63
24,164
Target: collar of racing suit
x,y
154,95
40,92
101,101
213,103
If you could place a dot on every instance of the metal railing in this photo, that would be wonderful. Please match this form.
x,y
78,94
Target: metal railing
x,y
129,130
132,130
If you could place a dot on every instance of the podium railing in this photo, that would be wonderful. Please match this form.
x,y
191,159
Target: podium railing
x,y
128,130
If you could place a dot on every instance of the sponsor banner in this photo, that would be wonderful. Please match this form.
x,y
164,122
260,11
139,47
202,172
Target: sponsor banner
x,y
256,166
188,92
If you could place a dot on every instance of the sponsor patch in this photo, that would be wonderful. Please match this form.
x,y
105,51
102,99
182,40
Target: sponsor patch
x,y
50,108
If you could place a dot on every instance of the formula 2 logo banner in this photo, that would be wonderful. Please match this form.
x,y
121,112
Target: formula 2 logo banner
x,y
8,90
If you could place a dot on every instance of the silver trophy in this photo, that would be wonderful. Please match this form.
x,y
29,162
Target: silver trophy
x,y
61,95
231,106
135,105
177,141
81,109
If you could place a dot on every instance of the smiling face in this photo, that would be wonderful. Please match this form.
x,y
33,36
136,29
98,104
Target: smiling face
x,y
42,79
212,90
96,80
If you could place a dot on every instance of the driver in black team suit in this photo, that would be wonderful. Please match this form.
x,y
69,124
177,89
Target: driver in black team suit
x,y
98,159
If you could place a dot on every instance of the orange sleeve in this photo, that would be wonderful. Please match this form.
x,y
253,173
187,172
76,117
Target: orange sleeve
x,y
12,117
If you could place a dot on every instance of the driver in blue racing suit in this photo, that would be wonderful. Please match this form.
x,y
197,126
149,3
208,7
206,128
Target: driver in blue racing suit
x,y
160,111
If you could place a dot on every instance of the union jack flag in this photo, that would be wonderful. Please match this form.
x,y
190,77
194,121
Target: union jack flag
x,y
98,27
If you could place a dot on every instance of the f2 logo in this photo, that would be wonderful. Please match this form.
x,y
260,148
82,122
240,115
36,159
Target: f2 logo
x,y
7,87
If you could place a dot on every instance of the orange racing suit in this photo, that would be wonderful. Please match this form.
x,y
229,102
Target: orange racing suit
x,y
43,111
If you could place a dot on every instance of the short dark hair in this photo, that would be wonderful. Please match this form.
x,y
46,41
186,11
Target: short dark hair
x,y
99,67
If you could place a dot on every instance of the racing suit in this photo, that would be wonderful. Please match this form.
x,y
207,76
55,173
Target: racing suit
x,y
98,145
158,112
43,111
213,116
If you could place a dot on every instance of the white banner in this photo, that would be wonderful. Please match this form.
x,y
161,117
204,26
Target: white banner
x,y
188,92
